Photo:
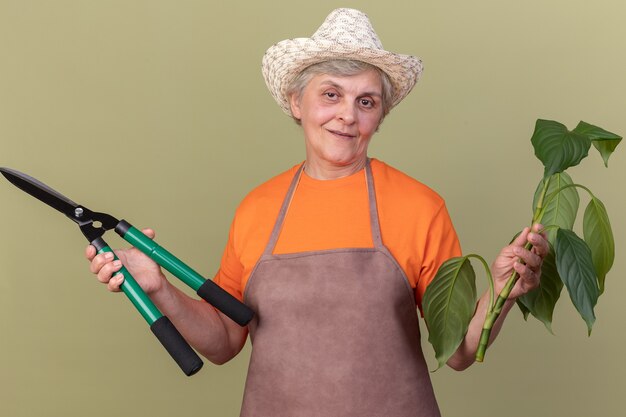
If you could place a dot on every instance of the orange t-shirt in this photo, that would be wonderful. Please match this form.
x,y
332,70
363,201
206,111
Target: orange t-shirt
x,y
330,214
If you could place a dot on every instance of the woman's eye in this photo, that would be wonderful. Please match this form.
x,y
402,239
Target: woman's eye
x,y
330,94
367,102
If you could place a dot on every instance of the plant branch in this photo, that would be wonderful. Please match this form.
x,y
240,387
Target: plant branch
x,y
494,313
496,308
540,211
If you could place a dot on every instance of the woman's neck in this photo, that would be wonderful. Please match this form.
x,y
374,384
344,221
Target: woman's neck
x,y
322,170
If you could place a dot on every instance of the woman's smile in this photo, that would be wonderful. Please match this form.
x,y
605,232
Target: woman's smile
x,y
341,135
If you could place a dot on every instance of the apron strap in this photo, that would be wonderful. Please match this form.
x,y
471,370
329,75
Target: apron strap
x,y
374,224
269,248
373,210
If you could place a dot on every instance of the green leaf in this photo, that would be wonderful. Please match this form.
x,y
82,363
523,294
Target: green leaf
x,y
449,304
575,266
525,311
605,142
562,209
541,301
599,236
558,148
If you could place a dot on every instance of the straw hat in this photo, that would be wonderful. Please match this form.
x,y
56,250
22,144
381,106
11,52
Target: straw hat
x,y
345,34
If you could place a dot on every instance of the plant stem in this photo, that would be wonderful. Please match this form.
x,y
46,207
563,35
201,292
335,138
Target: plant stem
x,y
494,310
539,211
492,290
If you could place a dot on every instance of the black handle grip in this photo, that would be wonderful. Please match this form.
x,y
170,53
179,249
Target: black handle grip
x,y
177,346
226,303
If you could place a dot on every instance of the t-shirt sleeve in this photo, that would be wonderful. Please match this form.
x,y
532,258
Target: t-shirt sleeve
x,y
230,274
442,244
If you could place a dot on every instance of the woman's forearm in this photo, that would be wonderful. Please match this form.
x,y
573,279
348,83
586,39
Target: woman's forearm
x,y
210,332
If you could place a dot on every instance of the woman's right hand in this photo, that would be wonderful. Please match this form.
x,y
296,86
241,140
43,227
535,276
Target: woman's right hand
x,y
146,272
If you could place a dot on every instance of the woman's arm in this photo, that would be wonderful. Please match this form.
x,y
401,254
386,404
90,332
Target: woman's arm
x,y
210,332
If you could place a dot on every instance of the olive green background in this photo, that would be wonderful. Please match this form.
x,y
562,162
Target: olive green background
x,y
156,112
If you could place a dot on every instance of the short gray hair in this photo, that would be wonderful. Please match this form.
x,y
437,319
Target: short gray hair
x,y
342,68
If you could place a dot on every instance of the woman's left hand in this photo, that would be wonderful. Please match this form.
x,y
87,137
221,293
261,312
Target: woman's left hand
x,y
509,260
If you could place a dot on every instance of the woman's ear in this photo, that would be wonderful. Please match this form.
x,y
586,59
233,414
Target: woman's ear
x,y
294,104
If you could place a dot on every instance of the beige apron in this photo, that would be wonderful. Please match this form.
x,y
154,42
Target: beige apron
x,y
336,332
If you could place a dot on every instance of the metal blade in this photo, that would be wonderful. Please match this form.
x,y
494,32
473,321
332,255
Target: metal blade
x,y
40,191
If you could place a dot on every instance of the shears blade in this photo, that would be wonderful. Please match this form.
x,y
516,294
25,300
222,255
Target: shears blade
x,y
40,191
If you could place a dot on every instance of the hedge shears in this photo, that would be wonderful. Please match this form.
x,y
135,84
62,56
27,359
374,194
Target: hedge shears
x,y
94,225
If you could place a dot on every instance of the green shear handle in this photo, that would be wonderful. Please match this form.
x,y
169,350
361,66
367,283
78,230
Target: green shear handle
x,y
161,326
206,289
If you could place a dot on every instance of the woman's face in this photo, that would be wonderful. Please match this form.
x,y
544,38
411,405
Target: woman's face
x,y
339,115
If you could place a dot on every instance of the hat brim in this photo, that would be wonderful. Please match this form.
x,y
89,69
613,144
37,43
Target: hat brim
x,y
284,60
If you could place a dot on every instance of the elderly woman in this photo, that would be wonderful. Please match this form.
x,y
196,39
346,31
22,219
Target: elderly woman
x,y
333,255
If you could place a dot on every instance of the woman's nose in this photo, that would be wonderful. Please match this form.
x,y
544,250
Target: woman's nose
x,y
346,112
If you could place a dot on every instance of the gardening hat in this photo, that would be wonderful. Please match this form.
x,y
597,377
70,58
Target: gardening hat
x,y
345,34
